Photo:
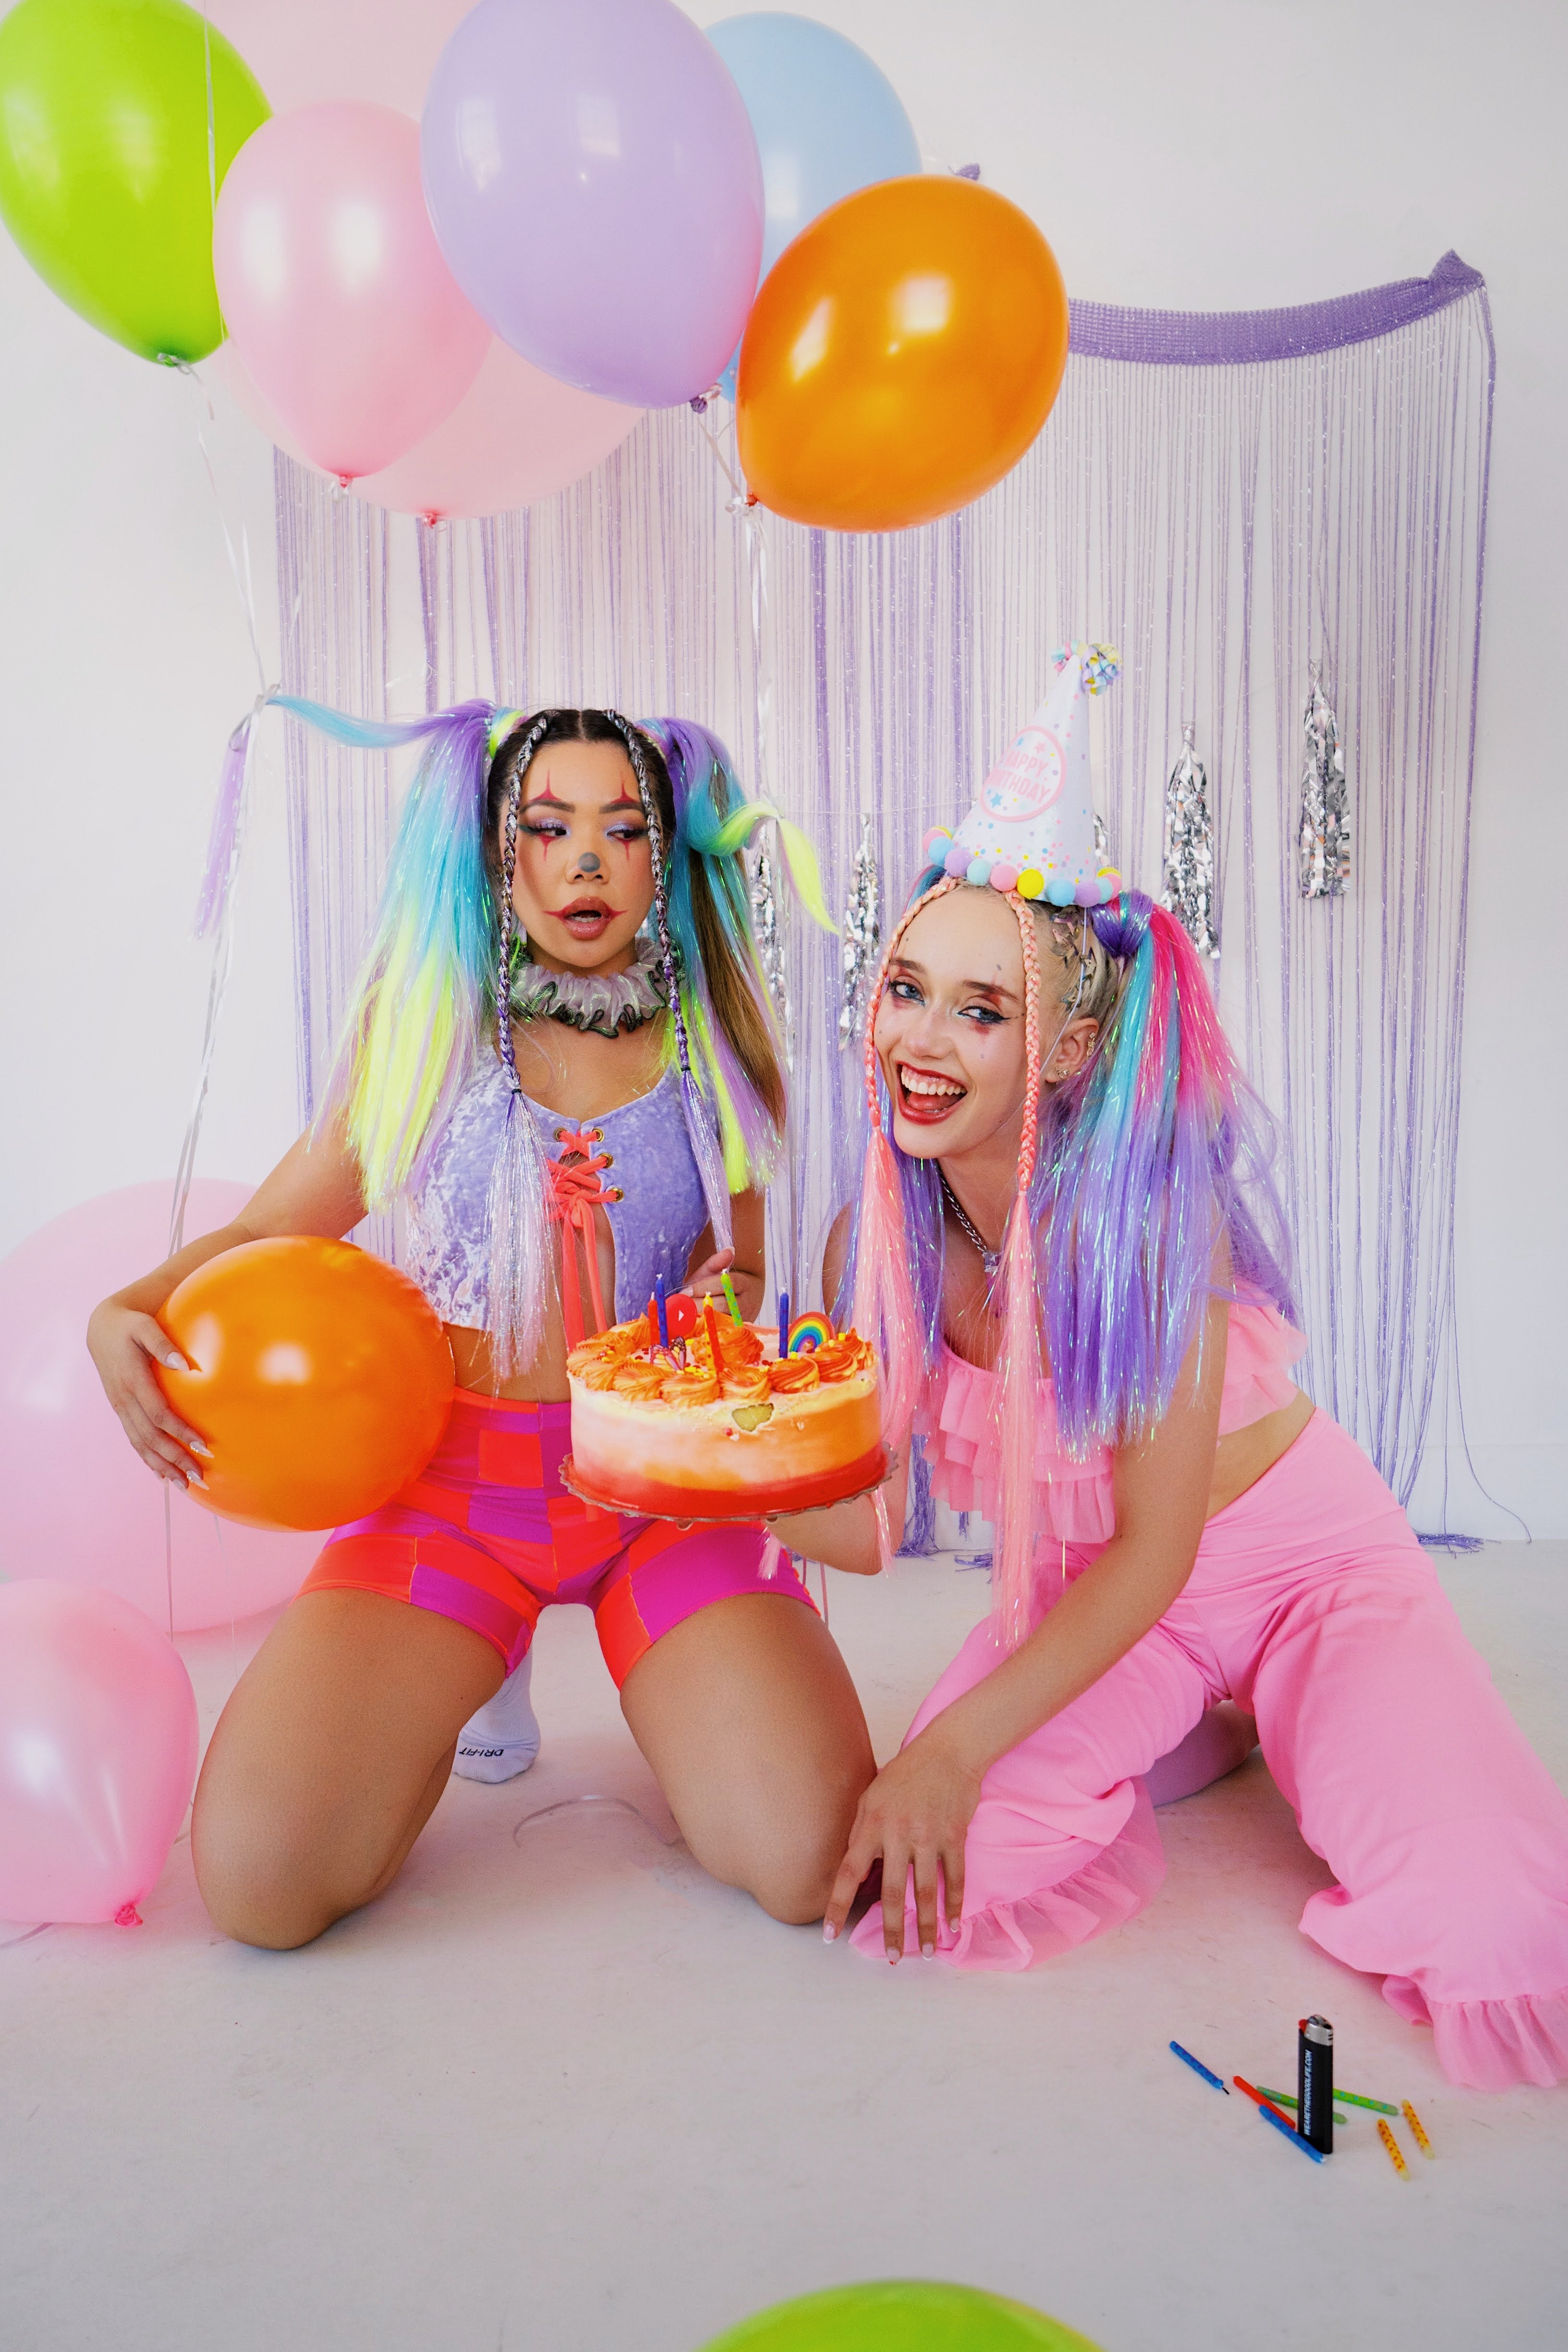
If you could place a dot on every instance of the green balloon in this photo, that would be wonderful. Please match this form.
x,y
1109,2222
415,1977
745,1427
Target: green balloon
x,y
900,2316
105,179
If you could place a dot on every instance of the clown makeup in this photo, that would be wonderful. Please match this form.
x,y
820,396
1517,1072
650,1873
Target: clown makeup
x,y
583,883
950,1031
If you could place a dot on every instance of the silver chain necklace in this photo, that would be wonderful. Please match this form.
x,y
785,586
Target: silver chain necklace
x,y
989,1258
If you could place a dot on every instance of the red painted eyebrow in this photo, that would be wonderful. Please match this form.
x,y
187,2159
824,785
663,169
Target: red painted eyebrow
x,y
546,799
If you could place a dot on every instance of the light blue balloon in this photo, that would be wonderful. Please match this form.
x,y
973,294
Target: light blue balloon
x,y
827,120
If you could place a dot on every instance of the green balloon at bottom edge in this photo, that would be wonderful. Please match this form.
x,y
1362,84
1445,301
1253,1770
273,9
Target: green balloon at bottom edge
x,y
900,2316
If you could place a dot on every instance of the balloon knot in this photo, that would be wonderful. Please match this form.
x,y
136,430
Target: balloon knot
x,y
128,1915
699,403
968,172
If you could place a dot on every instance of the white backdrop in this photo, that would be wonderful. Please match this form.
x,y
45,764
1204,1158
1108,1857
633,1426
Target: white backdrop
x,y
1226,153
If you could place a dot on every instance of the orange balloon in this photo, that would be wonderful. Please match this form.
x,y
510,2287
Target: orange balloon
x,y
901,356
321,1381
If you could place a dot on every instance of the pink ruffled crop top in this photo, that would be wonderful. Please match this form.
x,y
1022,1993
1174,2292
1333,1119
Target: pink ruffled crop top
x,y
960,1414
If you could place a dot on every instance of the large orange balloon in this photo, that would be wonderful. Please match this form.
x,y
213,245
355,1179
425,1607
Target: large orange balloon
x,y
901,356
322,1381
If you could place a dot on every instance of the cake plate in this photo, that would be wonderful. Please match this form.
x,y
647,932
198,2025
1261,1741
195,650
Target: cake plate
x,y
607,1502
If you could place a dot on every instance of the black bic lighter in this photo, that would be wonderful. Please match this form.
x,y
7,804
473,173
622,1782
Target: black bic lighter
x,y
1315,2083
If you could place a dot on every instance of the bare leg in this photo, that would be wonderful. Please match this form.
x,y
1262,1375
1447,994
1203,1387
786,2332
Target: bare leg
x,y
328,1762
749,1719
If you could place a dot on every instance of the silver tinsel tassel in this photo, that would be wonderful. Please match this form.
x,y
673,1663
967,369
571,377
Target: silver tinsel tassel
x,y
768,932
1189,869
522,1260
862,937
1325,838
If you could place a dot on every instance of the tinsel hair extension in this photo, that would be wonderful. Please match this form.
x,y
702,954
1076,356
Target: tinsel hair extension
x,y
412,1032
1138,1184
731,1022
885,1308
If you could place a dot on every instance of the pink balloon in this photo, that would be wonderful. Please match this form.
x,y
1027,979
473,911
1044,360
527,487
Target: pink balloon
x,y
302,51
517,436
77,1505
98,1753
333,288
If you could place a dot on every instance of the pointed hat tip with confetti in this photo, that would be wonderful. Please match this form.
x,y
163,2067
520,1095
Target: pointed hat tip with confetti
x,y
1032,828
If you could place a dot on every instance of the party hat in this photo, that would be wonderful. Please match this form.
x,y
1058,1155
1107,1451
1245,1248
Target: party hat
x,y
1032,828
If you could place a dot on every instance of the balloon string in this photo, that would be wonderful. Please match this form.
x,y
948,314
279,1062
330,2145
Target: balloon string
x,y
223,945
763,694
724,466
169,1554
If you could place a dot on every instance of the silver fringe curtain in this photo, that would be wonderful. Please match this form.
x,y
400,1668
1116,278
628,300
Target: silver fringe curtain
x,y
1232,500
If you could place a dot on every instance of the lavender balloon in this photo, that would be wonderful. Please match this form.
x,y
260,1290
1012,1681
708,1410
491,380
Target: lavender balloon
x,y
593,183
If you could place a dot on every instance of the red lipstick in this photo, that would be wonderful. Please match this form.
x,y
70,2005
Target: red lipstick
x,y
926,1097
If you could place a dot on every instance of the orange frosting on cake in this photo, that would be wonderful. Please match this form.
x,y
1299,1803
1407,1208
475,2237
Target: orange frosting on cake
x,y
730,1438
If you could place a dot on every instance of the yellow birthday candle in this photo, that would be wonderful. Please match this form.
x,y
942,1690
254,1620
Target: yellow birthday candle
x,y
1392,2145
1414,2120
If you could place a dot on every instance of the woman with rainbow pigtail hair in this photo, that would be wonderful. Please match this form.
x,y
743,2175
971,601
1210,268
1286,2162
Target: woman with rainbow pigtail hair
x,y
1069,1247
562,1067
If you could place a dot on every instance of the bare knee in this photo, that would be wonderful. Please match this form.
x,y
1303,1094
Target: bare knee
x,y
263,1875
791,1877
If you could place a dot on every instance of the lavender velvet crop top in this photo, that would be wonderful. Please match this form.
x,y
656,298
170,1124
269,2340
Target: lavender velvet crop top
x,y
655,1221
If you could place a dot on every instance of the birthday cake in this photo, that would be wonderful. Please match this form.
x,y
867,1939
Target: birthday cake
x,y
718,1425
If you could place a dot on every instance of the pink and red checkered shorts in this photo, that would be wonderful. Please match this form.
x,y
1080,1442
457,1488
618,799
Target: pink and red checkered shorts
x,y
487,1535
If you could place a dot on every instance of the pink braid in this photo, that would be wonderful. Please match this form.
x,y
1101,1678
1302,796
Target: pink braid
x,y
884,1309
938,890
1012,1581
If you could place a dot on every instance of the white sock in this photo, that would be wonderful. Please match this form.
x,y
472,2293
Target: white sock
x,y
503,1739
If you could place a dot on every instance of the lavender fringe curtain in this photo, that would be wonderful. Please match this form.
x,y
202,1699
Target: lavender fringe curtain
x,y
1228,498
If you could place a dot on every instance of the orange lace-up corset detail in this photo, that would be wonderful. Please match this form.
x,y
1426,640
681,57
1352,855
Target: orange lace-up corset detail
x,y
577,1189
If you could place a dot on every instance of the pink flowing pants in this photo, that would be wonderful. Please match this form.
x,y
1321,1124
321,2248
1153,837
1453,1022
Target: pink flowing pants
x,y
1313,1607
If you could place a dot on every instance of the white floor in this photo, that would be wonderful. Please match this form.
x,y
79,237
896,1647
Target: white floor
x,y
559,2092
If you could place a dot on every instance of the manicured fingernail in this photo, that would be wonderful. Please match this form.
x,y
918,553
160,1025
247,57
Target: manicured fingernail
x,y
829,1932
892,1958
175,1361
928,1951
198,1445
195,1478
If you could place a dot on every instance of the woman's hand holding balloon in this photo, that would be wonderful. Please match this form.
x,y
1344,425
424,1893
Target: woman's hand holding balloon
x,y
125,1345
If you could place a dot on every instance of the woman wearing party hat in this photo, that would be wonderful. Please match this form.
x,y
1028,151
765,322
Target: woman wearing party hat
x,y
1068,1248
561,1063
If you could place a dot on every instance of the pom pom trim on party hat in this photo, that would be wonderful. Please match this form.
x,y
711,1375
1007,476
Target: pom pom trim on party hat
x,y
941,848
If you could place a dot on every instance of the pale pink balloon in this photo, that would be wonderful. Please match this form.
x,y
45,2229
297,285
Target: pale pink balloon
x,y
77,1505
517,436
333,288
98,1753
302,51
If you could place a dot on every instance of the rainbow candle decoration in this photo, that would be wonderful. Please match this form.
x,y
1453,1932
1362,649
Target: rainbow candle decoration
x,y
809,1331
1422,2142
1392,2145
730,1301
